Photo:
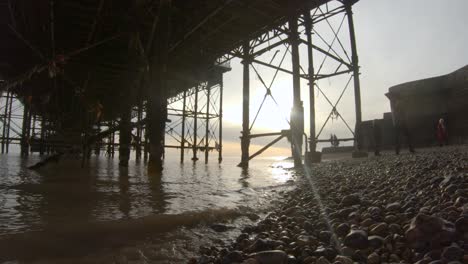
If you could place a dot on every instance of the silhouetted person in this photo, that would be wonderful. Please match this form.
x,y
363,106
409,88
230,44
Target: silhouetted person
x,y
377,133
400,124
442,134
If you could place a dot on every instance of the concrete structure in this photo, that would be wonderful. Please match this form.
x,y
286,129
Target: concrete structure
x,y
426,101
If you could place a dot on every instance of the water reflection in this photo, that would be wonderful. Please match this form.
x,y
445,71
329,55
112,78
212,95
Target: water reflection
x,y
65,193
124,183
244,179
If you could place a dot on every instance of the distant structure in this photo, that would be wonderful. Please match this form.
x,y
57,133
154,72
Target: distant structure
x,y
425,102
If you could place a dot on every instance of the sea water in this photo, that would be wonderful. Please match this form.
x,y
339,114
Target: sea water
x,y
69,211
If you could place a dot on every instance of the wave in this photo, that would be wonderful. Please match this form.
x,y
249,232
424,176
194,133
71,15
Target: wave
x,y
83,238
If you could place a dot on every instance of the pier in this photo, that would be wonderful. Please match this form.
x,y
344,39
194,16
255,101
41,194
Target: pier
x,y
95,77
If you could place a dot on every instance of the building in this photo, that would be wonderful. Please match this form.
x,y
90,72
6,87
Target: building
x,y
425,101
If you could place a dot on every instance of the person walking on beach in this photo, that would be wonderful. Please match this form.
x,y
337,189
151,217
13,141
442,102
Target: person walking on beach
x,y
442,135
400,125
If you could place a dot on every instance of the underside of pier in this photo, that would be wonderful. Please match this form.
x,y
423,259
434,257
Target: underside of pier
x,y
86,69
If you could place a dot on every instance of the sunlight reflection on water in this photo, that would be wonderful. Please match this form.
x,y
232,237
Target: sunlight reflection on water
x,y
66,193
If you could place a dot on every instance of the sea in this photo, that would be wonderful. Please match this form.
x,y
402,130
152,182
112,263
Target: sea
x,y
103,213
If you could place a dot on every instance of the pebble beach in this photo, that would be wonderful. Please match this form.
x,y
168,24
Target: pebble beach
x,y
407,208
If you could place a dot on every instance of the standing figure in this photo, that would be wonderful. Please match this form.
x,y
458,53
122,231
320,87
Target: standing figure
x,y
400,125
442,135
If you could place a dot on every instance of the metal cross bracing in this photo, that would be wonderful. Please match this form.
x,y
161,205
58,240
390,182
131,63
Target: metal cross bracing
x,y
20,126
329,54
196,121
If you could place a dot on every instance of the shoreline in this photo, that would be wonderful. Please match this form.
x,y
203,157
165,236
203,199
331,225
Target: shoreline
x,y
410,208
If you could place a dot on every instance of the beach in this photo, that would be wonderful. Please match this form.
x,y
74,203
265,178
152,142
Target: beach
x,y
407,208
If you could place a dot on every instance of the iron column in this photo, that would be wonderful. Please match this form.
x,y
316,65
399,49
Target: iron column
x,y
207,124
182,137
310,58
245,139
195,126
297,114
220,147
357,86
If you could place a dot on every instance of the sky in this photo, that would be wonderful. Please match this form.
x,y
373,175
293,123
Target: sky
x,y
398,41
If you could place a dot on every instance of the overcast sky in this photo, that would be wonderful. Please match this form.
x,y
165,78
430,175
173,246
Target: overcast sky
x,y
398,41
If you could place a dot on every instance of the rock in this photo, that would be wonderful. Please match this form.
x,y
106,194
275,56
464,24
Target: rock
x,y
359,256
380,229
356,239
429,231
322,260
220,227
325,236
250,261
326,252
351,199
393,207
303,240
232,257
373,258
344,260
367,222
343,229
452,253
395,228
389,219
262,245
375,241
394,258
270,257
346,251
462,224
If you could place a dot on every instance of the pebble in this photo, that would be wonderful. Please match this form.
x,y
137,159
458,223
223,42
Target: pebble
x,y
356,239
397,209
